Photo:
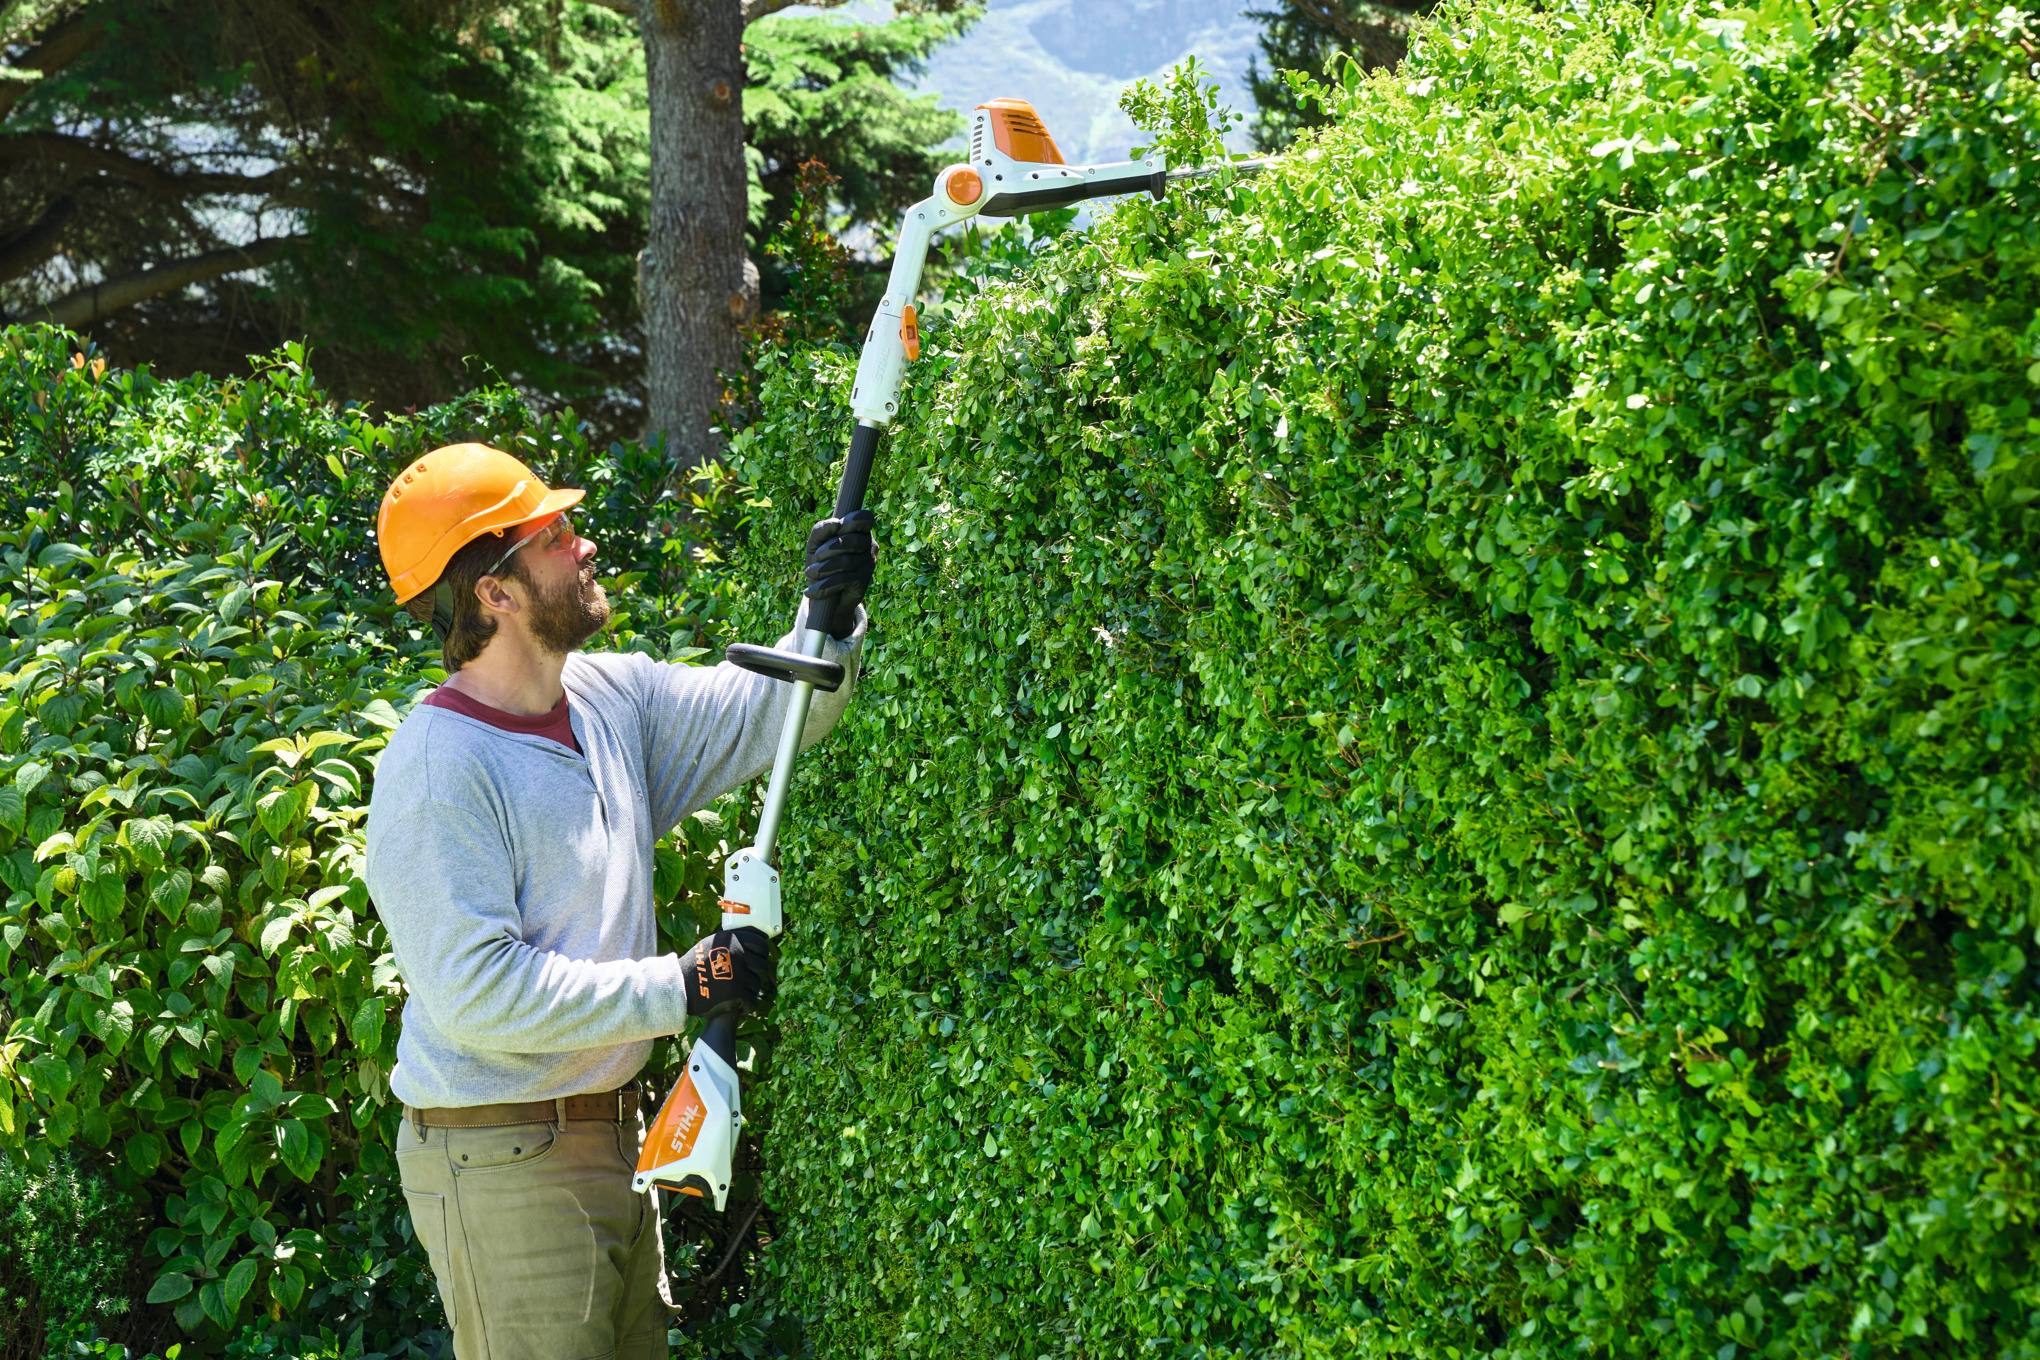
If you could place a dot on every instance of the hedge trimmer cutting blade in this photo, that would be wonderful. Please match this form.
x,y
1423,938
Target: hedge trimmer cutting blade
x,y
1014,168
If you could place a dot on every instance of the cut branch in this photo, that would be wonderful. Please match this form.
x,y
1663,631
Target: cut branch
x,y
61,45
61,149
82,306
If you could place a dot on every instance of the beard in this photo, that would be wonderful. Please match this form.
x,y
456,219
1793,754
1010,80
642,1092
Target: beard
x,y
567,616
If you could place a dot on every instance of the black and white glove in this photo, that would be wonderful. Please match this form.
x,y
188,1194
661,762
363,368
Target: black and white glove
x,y
731,970
840,561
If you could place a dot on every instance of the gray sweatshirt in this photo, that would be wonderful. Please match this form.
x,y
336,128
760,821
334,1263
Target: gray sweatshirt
x,y
516,877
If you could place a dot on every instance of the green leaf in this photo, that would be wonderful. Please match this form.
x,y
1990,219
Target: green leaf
x,y
169,891
365,1026
287,1286
103,897
169,1287
149,838
379,712
277,811
144,1152
119,1026
165,707
13,808
212,1301
295,1147
275,932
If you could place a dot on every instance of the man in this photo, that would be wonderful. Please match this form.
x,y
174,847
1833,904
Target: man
x,y
510,854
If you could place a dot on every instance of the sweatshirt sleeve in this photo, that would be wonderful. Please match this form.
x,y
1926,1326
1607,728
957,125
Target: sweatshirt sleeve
x,y
710,728
455,927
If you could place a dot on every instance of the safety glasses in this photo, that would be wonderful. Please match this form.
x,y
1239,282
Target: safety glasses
x,y
547,536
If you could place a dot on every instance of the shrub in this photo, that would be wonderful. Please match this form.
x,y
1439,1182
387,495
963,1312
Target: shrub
x,y
1447,763
198,669
70,1247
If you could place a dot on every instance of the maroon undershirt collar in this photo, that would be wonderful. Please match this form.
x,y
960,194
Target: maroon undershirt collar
x,y
554,725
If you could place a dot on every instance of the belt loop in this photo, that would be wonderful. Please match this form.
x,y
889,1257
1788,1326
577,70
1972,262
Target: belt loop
x,y
418,1122
560,1112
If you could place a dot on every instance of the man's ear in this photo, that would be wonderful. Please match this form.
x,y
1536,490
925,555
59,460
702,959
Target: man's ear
x,y
493,593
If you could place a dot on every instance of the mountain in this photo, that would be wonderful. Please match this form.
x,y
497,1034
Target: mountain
x,y
1071,58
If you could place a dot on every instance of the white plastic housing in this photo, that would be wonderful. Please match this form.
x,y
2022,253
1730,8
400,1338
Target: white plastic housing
x,y
691,1147
751,893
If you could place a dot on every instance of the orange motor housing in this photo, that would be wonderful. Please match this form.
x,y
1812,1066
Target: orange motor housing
x,y
1018,132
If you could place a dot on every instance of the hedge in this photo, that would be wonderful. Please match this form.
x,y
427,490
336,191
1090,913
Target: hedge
x,y
200,663
1447,761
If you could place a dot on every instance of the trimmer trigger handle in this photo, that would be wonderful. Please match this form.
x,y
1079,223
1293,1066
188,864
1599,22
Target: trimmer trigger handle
x,y
826,676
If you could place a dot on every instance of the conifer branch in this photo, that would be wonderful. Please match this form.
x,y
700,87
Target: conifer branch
x,y
65,42
81,154
81,306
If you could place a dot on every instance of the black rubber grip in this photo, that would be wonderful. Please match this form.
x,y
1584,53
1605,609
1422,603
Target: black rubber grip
x,y
849,499
826,676
857,470
720,1035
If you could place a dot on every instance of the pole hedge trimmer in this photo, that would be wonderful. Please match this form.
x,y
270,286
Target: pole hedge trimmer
x,y
1014,169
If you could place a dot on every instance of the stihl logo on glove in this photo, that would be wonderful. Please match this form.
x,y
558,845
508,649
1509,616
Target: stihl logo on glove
x,y
731,968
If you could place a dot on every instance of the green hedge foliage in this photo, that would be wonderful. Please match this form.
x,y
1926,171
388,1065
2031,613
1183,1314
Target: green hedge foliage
x,y
1447,764
198,668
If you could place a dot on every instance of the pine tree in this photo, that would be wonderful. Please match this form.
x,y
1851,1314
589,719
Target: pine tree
x,y
411,185
700,287
1309,36
430,193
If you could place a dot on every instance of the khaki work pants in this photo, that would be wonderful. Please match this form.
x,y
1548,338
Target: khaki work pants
x,y
540,1249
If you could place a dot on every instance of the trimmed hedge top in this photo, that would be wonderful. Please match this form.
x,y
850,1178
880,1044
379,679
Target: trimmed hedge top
x,y
1448,759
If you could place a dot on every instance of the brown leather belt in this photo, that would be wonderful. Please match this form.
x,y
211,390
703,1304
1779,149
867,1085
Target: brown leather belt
x,y
608,1106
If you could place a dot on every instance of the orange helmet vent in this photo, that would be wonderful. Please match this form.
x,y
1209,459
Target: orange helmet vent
x,y
1017,131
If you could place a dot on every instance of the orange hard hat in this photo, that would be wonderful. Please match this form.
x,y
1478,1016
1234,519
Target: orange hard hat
x,y
448,499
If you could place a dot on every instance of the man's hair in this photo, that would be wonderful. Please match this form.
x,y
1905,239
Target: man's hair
x,y
473,626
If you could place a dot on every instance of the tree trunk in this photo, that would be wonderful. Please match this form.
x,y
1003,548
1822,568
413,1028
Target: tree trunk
x,y
697,284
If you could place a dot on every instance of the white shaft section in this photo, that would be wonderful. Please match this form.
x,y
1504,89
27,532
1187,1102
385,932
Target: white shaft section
x,y
811,643
875,396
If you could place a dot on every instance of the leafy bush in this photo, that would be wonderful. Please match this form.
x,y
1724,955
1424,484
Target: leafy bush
x,y
1448,759
199,667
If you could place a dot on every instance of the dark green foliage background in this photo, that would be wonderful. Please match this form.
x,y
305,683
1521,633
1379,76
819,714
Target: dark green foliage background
x,y
68,1254
1447,761
198,1005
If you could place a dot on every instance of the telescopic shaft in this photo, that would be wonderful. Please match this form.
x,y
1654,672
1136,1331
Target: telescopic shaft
x,y
822,624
